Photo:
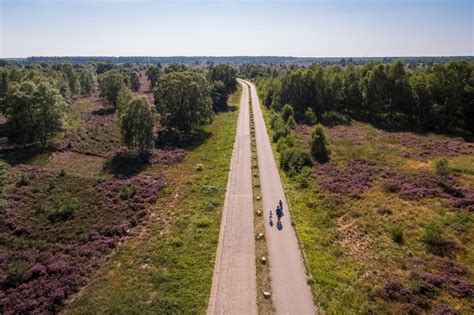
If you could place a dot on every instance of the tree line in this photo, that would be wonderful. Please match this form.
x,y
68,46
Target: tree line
x,y
35,100
431,97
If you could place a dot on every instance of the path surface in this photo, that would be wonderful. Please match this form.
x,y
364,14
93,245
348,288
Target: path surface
x,y
291,293
234,281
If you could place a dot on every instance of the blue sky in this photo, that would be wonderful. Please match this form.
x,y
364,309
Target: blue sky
x,y
236,27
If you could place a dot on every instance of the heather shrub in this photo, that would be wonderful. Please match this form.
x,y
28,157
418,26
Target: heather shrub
x,y
23,181
293,160
442,167
127,191
16,274
396,233
63,210
391,186
287,112
319,143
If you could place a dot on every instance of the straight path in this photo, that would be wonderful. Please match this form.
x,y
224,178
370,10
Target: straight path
x,y
234,284
291,293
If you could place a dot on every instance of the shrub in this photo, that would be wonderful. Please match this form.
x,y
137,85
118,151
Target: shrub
x,y
63,210
304,177
284,143
127,191
23,181
203,223
287,112
432,234
62,173
442,167
319,144
291,123
397,234
309,116
16,274
293,160
280,129
199,167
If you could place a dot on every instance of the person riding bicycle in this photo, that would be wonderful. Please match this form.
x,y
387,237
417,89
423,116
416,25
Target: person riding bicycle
x,y
281,206
279,213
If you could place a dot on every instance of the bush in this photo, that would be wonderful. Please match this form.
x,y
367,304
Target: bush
x,y
16,274
309,116
62,173
291,123
63,210
199,167
442,167
279,127
319,144
397,234
284,143
304,177
287,112
293,160
23,181
432,234
203,223
127,191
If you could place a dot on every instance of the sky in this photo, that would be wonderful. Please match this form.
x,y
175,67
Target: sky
x,y
318,28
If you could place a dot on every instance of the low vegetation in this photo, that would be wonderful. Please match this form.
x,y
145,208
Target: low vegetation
x,y
385,220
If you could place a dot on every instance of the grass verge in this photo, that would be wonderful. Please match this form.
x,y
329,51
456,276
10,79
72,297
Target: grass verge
x,y
168,268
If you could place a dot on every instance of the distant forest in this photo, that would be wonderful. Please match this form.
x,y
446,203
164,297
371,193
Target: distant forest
x,y
235,60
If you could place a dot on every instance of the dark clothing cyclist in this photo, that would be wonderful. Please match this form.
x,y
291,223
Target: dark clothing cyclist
x,y
279,213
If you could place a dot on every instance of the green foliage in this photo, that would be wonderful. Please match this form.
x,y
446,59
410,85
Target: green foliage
x,y
110,85
284,143
291,123
87,79
183,101
432,234
396,233
442,167
135,81
226,74
319,144
62,173
279,128
16,274
287,112
137,124
34,112
199,167
127,191
153,73
304,178
219,95
309,116
62,210
294,160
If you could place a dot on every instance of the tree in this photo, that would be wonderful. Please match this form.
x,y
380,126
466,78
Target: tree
x,y
137,125
153,74
319,144
226,74
223,80
87,81
33,112
351,90
110,84
135,81
287,112
219,95
401,96
183,101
